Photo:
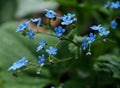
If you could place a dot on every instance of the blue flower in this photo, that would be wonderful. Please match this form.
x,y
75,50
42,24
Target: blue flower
x,y
41,45
38,24
31,34
91,38
84,45
67,19
36,20
115,5
59,30
50,14
20,63
107,4
103,32
74,20
52,87
113,24
41,60
51,50
96,27
22,26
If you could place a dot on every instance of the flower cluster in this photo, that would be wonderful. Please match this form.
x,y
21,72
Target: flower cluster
x,y
50,50
114,5
43,46
101,30
66,40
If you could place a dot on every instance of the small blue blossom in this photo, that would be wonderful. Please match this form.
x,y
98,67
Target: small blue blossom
x,y
67,19
51,50
20,63
115,5
84,45
36,20
41,45
22,26
38,24
103,32
41,60
113,24
96,27
50,14
31,34
52,87
74,20
59,30
107,4
91,38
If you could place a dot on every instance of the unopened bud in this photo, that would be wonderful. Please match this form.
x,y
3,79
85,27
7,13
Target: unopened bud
x,y
74,20
38,72
105,40
88,54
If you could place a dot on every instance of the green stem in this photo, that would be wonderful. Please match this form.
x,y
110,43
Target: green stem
x,y
49,24
64,38
89,50
63,60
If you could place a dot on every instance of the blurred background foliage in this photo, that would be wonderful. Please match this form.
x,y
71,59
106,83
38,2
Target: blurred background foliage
x,y
101,70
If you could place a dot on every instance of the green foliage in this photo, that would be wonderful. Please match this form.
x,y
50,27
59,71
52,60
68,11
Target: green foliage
x,y
68,3
13,46
73,69
109,64
7,10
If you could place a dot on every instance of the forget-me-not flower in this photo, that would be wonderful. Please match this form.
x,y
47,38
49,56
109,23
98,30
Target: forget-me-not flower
x,y
36,20
115,5
22,26
67,19
107,4
84,45
91,38
20,63
59,30
41,45
52,87
51,50
113,24
103,32
41,60
50,14
31,34
96,27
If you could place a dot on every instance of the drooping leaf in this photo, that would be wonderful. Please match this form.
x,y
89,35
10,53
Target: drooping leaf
x,y
109,64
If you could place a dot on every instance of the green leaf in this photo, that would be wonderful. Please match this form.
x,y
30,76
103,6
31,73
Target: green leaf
x,y
7,10
99,46
109,64
68,3
13,47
